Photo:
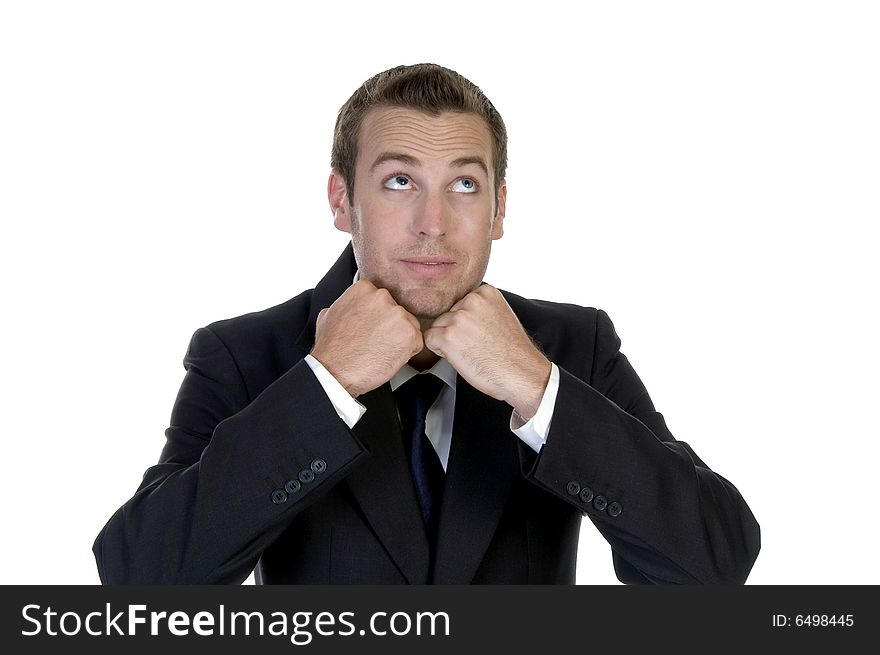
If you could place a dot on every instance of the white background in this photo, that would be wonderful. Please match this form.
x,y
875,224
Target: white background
x,y
705,172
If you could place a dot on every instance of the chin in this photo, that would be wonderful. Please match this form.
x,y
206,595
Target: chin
x,y
425,304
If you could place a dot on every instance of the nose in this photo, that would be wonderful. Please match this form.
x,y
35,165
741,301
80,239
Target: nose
x,y
432,217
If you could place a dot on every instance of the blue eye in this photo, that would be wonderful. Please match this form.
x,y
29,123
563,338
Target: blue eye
x,y
465,185
398,182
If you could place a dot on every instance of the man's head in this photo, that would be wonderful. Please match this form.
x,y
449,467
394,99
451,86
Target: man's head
x,y
419,158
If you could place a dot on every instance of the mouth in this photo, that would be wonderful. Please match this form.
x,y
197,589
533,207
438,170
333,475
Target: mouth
x,y
428,267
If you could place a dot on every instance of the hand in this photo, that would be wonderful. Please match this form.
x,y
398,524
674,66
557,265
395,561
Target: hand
x,y
484,341
365,337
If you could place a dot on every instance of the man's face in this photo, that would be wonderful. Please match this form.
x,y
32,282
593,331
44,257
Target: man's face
x,y
422,221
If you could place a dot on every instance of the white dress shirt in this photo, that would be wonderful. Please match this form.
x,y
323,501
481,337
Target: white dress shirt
x,y
438,423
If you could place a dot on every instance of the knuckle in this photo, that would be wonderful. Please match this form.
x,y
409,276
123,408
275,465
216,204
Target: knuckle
x,y
364,288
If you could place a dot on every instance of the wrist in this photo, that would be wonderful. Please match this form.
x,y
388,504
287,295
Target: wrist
x,y
337,372
526,398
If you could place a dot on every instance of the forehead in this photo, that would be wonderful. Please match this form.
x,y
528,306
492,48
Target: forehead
x,y
448,135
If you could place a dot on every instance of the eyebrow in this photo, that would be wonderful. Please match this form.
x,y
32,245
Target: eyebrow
x,y
409,160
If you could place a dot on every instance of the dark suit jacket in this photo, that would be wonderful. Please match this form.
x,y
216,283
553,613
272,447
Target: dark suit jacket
x,y
259,470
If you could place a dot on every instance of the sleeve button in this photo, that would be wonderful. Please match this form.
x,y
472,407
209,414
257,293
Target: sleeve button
x,y
573,488
614,509
600,502
279,496
586,494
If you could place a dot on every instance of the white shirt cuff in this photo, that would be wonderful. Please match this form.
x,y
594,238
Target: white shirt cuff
x,y
534,431
349,409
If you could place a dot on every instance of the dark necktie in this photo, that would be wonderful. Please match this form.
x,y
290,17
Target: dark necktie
x,y
414,398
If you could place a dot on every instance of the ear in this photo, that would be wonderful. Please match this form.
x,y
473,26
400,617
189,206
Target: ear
x,y
337,194
498,227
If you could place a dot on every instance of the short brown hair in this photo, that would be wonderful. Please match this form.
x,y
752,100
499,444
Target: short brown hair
x,y
426,87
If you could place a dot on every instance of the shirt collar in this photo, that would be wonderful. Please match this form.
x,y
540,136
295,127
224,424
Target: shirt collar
x,y
442,369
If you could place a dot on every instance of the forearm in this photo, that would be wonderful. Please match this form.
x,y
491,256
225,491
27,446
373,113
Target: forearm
x,y
206,512
674,519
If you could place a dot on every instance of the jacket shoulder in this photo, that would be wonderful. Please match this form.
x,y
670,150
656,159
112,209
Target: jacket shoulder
x,y
263,344
287,317
550,309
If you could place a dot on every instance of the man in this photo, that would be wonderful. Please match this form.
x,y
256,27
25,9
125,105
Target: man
x,y
403,422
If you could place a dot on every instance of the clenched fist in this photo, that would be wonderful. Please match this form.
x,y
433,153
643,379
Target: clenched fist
x,y
484,341
365,337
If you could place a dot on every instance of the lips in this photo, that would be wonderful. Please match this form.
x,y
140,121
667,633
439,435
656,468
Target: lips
x,y
428,267
427,260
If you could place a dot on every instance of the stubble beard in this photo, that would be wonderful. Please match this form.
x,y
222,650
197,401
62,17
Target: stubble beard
x,y
425,303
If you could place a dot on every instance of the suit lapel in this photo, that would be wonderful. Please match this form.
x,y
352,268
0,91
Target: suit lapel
x,y
383,486
483,465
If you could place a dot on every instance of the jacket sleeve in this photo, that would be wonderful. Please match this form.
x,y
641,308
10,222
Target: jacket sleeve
x,y
232,475
667,516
